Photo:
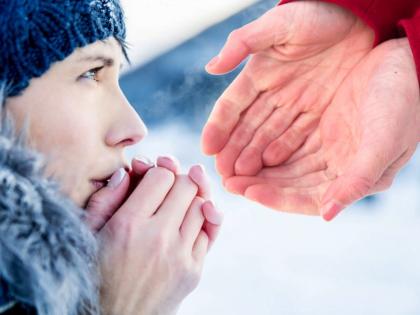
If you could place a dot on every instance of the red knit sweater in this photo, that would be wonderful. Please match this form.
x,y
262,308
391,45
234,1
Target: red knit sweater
x,y
389,19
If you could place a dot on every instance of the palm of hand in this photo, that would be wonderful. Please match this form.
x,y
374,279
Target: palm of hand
x,y
280,96
365,136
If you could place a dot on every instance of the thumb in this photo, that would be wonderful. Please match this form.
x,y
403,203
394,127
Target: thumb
x,y
354,184
103,204
269,30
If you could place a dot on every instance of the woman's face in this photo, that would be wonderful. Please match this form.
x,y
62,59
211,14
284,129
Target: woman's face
x,y
79,118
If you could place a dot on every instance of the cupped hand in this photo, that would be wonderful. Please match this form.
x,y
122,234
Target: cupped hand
x,y
301,53
367,134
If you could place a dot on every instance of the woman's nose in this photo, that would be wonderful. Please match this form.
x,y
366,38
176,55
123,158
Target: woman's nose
x,y
128,128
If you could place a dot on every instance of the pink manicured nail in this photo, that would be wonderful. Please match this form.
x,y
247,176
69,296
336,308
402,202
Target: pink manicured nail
x,y
197,173
143,160
331,210
169,162
168,158
211,214
117,178
213,62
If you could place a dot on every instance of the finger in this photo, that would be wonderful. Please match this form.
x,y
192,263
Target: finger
x,y
139,167
213,222
193,223
170,163
149,194
103,204
250,160
289,142
211,213
389,175
385,182
312,145
200,178
269,30
212,231
227,112
257,113
355,183
239,184
201,247
305,165
293,200
178,201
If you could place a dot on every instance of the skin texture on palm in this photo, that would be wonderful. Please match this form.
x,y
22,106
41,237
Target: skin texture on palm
x,y
265,129
367,134
301,53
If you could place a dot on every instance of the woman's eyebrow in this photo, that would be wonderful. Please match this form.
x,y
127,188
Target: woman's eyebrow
x,y
107,61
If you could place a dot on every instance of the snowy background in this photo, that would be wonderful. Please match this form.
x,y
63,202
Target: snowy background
x,y
365,262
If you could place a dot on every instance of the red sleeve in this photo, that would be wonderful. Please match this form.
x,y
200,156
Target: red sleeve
x,y
411,27
389,19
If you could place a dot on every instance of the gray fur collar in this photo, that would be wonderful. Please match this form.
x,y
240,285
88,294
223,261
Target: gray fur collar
x,y
47,255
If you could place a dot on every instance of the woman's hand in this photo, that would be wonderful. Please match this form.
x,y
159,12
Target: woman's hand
x,y
153,246
103,204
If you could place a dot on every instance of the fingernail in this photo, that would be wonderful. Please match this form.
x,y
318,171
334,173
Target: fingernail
x,y
117,178
213,62
144,160
331,210
197,173
200,168
212,214
167,158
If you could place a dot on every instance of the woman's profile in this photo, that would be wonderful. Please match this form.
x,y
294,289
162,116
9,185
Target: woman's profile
x,y
82,230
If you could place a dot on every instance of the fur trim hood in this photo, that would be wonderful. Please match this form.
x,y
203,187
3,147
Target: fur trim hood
x,y
47,254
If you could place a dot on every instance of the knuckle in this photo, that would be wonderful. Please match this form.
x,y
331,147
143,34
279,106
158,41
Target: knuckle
x,y
241,37
235,35
198,200
192,279
121,226
385,185
96,202
288,143
265,135
292,135
246,130
197,203
225,108
360,186
188,274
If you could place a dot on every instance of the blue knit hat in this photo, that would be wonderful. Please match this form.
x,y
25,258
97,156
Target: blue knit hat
x,y
34,34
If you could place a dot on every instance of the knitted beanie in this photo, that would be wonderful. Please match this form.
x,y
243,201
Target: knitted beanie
x,y
34,34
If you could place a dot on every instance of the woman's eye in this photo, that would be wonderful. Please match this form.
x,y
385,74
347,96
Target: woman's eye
x,y
92,74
